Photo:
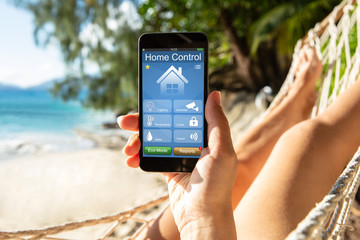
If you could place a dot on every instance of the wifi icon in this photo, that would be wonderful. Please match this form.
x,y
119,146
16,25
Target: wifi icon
x,y
194,136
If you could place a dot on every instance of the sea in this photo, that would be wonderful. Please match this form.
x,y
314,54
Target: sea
x,y
33,122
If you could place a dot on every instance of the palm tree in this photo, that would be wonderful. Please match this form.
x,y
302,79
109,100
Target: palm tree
x,y
250,40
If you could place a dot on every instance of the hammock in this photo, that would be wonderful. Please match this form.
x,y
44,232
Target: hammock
x,y
336,42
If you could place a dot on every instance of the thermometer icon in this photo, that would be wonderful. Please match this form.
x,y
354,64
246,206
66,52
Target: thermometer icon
x,y
149,120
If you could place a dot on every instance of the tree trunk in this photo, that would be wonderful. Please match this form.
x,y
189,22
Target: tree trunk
x,y
271,67
240,51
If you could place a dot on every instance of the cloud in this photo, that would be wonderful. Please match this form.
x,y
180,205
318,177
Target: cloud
x,y
31,76
26,65
21,62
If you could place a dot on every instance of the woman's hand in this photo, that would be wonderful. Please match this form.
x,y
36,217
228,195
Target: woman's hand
x,y
200,201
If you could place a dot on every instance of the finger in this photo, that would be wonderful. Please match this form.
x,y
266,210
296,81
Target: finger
x,y
169,176
177,178
129,122
218,126
133,145
133,161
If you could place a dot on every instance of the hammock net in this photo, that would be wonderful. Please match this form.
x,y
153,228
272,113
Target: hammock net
x,y
336,42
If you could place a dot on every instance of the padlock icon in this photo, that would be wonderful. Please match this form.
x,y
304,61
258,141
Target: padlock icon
x,y
193,122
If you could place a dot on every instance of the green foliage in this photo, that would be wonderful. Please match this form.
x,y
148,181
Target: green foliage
x,y
110,42
344,64
94,32
184,15
288,22
255,21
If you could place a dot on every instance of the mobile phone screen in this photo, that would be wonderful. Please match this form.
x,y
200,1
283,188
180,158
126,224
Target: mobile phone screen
x,y
172,102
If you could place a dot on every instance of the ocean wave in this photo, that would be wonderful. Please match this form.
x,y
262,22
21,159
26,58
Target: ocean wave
x,y
20,148
23,144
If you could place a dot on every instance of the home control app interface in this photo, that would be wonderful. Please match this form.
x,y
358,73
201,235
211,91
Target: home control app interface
x,y
173,102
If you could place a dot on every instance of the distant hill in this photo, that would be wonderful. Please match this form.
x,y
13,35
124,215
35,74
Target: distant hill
x,y
46,85
9,87
41,87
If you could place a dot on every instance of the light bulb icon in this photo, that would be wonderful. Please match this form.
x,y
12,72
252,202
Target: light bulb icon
x,y
150,105
149,137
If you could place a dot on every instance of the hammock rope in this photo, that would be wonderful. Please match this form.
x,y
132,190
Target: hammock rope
x,y
336,204
328,220
332,40
117,219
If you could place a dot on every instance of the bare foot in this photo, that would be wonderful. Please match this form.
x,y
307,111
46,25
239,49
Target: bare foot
x,y
298,103
303,92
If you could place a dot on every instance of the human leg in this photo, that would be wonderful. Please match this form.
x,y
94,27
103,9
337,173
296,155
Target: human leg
x,y
255,147
161,228
302,168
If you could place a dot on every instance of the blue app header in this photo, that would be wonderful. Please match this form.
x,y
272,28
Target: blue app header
x,y
176,56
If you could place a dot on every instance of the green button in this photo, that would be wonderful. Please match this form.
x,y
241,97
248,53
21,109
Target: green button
x,y
157,150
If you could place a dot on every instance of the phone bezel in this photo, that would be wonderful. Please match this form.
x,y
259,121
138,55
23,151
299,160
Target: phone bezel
x,y
170,40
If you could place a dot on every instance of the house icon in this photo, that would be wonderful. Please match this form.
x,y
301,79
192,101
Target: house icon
x,y
172,82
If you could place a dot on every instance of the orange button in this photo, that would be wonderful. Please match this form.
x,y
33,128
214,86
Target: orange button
x,y
187,151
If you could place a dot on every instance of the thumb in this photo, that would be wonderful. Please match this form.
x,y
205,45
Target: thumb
x,y
218,126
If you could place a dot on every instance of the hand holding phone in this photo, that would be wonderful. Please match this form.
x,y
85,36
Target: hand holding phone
x,y
173,89
210,185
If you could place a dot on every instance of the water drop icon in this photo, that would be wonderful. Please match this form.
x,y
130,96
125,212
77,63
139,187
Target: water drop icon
x,y
149,137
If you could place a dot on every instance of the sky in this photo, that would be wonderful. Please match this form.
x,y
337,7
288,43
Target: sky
x,y
22,63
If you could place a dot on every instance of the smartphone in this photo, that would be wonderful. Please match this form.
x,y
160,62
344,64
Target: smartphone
x,y
173,88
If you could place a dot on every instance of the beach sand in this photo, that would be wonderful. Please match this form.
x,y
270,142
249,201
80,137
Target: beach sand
x,y
51,189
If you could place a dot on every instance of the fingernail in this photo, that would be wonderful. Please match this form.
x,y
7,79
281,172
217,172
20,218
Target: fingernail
x,y
218,97
118,120
127,143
